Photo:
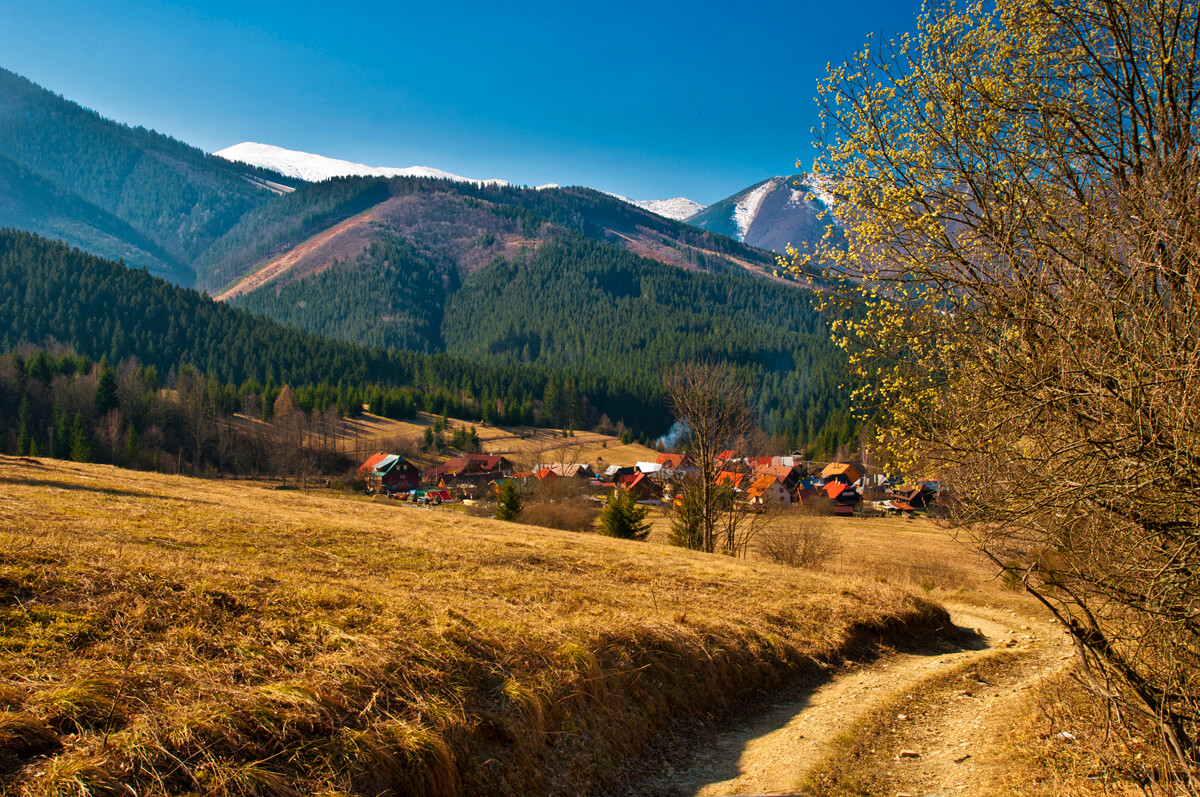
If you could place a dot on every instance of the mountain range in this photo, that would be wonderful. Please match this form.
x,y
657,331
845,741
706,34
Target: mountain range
x,y
417,259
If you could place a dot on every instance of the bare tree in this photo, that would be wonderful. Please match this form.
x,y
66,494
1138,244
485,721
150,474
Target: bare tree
x,y
1017,185
713,402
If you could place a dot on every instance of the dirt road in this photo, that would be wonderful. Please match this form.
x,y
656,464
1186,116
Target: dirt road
x,y
941,717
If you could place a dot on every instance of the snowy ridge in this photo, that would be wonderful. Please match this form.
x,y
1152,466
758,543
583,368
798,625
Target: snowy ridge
x,y
819,187
747,207
314,168
678,208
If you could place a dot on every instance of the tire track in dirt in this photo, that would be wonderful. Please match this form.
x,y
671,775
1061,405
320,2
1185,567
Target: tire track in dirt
x,y
955,713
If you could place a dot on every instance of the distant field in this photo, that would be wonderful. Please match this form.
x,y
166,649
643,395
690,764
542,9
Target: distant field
x,y
184,636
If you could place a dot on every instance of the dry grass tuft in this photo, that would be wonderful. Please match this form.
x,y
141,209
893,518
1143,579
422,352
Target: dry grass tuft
x,y
178,636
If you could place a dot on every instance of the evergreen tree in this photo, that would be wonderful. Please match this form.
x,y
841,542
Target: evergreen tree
x,y
61,443
81,441
24,429
508,505
622,517
105,398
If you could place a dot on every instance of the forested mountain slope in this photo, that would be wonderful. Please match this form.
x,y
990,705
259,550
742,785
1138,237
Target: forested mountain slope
x,y
448,219
50,293
171,193
569,302
31,202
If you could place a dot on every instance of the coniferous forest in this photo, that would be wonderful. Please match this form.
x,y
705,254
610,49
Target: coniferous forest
x,y
559,307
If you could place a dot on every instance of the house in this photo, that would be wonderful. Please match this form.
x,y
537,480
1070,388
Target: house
x,y
767,491
844,497
393,474
845,472
470,469
577,470
675,461
613,471
919,497
787,475
641,486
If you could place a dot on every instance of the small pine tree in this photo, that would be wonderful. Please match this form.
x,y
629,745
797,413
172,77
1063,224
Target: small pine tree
x,y
24,429
508,505
81,441
105,397
622,517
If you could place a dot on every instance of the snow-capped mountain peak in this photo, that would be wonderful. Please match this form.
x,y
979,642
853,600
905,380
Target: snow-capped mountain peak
x,y
678,208
314,168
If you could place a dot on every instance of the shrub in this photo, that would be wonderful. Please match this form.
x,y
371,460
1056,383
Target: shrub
x,y
799,541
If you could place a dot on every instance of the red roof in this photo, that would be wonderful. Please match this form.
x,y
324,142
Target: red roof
x,y
761,485
633,480
546,473
727,454
468,464
371,462
734,480
835,489
670,460
850,471
779,472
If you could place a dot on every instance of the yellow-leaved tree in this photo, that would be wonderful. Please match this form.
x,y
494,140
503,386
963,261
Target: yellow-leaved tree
x,y
1016,186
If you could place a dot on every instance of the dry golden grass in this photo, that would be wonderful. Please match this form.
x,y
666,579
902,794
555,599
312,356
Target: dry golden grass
x,y
184,636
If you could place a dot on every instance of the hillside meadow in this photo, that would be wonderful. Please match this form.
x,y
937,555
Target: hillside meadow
x,y
179,636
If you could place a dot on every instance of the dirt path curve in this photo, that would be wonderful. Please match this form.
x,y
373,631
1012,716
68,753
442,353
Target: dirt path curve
x,y
949,738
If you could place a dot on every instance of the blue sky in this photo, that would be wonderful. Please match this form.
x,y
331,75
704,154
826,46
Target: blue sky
x,y
650,100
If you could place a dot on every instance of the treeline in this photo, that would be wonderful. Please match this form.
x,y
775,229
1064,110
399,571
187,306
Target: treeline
x,y
59,404
49,292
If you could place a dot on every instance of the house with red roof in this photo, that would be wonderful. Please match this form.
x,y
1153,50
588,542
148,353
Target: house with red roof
x,y
767,491
470,469
846,472
391,474
641,485
675,461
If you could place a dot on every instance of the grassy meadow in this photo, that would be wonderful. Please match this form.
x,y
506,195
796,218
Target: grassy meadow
x,y
180,636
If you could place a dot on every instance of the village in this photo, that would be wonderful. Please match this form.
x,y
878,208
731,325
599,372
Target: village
x,y
844,489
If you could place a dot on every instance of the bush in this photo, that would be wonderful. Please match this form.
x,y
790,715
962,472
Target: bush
x,y
559,504
799,541
564,516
